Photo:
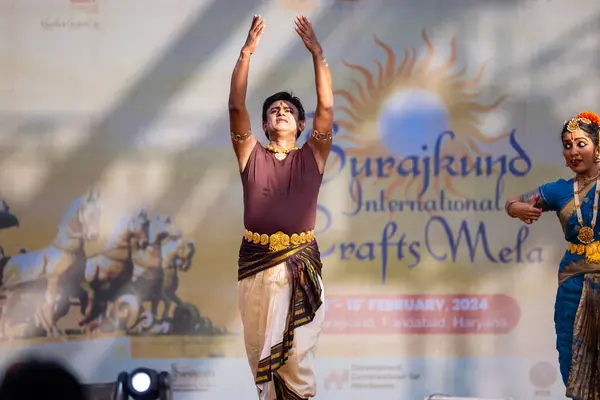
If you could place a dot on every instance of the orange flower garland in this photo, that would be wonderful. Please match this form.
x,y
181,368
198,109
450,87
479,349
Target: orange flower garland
x,y
590,116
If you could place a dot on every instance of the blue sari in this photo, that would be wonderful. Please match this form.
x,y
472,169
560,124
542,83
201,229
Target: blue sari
x,y
578,296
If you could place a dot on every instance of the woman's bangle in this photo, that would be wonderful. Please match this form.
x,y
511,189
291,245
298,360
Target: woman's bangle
x,y
507,208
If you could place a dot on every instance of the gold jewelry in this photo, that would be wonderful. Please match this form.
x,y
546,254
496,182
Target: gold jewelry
x,y
586,234
322,136
507,208
591,251
279,240
573,124
587,117
240,138
275,150
588,180
585,183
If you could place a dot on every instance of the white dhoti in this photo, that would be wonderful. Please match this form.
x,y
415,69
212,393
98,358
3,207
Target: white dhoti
x,y
264,303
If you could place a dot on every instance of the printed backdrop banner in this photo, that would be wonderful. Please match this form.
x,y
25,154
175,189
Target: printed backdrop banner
x,y
121,212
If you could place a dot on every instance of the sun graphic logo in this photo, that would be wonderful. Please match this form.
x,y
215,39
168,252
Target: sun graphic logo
x,y
402,111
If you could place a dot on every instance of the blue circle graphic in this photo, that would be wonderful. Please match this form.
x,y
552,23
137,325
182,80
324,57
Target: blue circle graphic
x,y
411,121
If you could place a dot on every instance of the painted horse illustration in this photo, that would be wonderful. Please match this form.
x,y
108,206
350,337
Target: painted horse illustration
x,y
108,273
155,279
52,266
177,256
148,262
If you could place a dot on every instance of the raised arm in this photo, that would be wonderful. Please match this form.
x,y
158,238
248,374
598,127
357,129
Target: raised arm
x,y
239,120
321,138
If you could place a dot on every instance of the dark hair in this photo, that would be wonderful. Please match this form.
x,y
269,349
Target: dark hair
x,y
590,129
36,379
284,96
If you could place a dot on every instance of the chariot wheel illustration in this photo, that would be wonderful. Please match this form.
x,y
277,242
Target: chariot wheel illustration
x,y
187,319
128,309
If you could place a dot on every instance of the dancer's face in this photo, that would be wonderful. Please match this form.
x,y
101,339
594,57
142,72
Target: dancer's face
x,y
282,119
580,152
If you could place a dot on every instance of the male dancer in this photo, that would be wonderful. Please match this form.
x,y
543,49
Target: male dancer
x,y
279,278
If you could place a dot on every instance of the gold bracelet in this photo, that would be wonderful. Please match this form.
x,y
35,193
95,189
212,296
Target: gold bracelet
x,y
240,138
507,208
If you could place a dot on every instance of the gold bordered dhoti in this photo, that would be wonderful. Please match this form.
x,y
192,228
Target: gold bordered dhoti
x,y
280,293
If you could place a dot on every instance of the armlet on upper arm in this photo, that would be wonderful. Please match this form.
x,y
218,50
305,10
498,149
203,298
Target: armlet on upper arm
x,y
240,138
322,137
535,195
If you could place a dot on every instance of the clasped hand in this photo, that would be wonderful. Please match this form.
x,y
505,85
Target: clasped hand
x,y
526,211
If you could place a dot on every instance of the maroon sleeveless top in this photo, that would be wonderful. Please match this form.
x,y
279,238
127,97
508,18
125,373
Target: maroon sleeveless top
x,y
281,195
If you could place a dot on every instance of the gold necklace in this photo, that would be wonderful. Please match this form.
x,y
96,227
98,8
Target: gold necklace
x,y
586,234
593,178
586,181
281,150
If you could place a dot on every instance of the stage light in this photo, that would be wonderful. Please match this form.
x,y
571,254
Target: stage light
x,y
140,382
143,384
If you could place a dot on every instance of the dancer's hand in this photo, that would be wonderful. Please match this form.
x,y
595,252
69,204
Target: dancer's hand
x,y
526,211
256,29
307,34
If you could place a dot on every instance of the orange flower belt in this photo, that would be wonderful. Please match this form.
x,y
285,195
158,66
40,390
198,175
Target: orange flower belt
x,y
279,241
591,251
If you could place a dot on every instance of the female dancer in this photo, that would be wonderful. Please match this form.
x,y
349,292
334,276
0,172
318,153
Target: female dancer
x,y
575,201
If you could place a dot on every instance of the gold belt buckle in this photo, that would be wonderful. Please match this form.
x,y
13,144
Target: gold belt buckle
x,y
279,241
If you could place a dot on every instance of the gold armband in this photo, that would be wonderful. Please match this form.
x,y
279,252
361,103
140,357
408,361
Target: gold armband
x,y
240,138
322,136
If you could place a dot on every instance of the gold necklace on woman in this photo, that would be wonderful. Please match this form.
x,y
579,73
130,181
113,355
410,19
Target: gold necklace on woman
x,y
586,181
586,234
593,178
280,153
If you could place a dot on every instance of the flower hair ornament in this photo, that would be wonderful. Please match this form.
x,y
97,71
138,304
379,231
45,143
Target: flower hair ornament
x,y
586,117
